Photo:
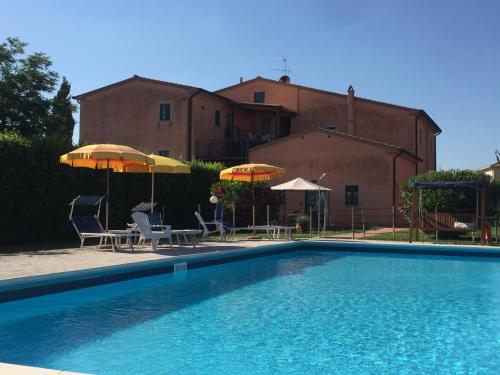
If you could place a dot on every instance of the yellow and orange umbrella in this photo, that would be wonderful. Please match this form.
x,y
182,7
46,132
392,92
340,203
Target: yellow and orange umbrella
x,y
252,173
161,164
105,156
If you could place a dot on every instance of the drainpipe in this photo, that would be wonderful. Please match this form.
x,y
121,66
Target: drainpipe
x,y
190,124
419,114
435,149
394,182
350,110
277,127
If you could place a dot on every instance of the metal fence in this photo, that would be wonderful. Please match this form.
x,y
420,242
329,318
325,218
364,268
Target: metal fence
x,y
356,222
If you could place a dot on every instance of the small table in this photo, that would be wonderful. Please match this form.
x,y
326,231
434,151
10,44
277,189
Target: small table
x,y
287,230
118,235
187,233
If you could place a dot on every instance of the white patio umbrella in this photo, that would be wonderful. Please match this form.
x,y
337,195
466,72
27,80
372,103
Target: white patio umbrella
x,y
298,184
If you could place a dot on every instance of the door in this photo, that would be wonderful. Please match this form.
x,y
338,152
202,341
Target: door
x,y
284,126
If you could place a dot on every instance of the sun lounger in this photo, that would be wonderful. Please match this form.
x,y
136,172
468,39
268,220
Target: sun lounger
x,y
88,226
218,227
258,228
272,231
187,234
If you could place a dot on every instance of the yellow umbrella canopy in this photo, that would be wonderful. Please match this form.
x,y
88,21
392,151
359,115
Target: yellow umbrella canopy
x,y
161,164
252,173
98,156
105,156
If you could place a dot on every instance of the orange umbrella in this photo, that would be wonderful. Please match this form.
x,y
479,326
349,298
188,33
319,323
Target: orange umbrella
x,y
105,156
251,173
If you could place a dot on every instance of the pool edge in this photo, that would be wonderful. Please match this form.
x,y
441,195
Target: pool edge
x,y
34,286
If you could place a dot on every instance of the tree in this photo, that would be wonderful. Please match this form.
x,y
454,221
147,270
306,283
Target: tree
x,y
61,122
445,200
25,82
240,194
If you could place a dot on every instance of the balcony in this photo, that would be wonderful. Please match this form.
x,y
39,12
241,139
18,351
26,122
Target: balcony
x,y
216,150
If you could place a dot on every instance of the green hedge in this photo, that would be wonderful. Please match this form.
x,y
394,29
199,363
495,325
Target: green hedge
x,y
36,191
453,201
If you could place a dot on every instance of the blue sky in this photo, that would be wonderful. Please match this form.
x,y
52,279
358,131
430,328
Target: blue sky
x,y
441,56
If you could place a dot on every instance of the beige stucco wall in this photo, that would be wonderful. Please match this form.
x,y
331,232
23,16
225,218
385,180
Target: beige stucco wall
x,y
493,172
347,162
203,121
275,93
129,114
377,121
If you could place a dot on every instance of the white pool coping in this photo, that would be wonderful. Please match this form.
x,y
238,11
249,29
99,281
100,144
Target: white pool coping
x,y
10,369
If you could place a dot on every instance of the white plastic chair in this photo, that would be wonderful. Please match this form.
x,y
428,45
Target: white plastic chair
x,y
219,227
147,233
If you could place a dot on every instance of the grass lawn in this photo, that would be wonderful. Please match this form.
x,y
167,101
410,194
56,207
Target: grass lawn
x,y
245,235
462,239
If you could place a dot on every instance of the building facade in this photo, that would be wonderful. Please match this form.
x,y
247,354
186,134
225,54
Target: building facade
x,y
368,148
492,170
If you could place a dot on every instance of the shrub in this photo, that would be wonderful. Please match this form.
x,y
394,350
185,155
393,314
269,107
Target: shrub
x,y
37,189
304,223
446,200
240,194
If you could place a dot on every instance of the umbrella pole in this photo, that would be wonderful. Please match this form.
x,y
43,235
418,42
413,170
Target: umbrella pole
x,y
152,190
253,203
107,195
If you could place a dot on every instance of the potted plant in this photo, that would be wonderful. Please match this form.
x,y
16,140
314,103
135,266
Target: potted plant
x,y
302,224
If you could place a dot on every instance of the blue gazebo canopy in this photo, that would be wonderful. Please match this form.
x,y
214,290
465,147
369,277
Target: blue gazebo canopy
x,y
472,184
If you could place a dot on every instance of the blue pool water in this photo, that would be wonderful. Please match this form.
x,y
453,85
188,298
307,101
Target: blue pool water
x,y
306,312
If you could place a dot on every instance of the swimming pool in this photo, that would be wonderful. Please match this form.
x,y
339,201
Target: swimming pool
x,y
310,311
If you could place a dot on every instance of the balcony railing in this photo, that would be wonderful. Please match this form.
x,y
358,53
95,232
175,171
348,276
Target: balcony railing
x,y
221,150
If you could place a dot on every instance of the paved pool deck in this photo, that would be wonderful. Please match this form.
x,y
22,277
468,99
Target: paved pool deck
x,y
10,369
35,263
44,262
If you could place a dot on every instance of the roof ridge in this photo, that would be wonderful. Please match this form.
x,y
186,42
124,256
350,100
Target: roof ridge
x,y
377,102
344,135
134,77
316,89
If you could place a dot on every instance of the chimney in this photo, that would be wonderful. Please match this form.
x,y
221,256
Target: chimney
x,y
350,110
285,79
241,79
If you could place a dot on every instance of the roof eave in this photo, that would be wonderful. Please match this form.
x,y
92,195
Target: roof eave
x,y
424,114
133,78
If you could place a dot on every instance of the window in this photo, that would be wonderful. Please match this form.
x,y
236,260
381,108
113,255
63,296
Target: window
x,y
229,125
217,118
259,97
351,195
165,153
164,112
